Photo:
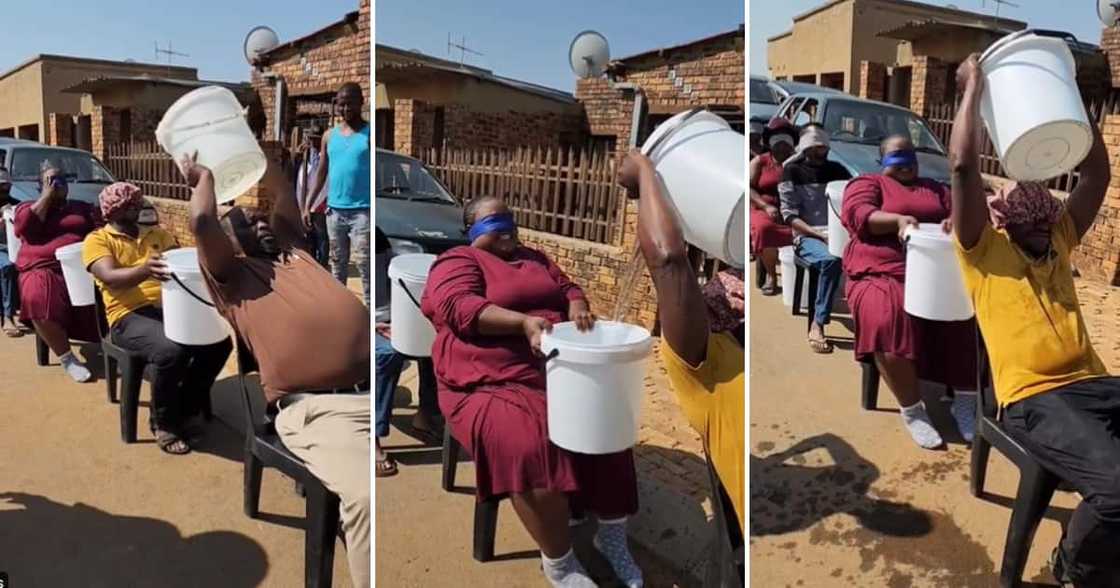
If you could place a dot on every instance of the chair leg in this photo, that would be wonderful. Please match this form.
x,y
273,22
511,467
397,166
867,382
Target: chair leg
x,y
110,377
870,387
798,275
485,527
318,541
252,489
759,274
450,458
132,377
42,352
979,466
1036,488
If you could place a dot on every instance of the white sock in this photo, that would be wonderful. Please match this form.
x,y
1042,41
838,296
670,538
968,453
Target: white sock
x,y
921,429
74,368
963,410
565,571
610,540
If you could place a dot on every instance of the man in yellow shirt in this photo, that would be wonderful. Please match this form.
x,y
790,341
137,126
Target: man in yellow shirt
x,y
126,260
705,367
1059,400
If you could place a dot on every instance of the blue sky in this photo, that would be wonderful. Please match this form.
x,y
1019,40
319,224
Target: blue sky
x,y
528,40
210,31
769,18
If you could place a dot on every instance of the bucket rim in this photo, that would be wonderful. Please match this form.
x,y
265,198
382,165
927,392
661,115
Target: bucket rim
x,y
71,250
652,147
407,272
629,326
175,110
1000,45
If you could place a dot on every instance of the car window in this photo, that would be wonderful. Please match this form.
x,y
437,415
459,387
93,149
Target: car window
x,y
762,93
791,108
401,177
78,166
807,113
866,122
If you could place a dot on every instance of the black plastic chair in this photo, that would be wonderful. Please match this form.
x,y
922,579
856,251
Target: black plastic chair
x,y
869,385
725,566
798,283
485,512
1036,484
263,448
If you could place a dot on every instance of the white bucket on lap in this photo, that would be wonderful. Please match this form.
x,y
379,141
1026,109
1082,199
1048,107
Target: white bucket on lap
x,y
837,235
1032,106
79,282
701,161
186,319
10,229
934,286
596,381
413,333
212,122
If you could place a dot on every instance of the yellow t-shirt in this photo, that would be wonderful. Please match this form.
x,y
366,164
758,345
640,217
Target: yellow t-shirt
x,y
127,252
711,396
1029,314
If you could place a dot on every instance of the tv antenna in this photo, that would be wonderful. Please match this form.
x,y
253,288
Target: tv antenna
x,y
462,47
169,52
999,4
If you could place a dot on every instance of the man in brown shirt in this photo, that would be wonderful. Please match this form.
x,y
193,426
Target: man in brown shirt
x,y
306,331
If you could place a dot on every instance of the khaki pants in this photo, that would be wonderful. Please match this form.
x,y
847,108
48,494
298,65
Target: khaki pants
x,y
330,433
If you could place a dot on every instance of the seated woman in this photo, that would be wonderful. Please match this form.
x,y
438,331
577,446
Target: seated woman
x,y
877,210
768,232
490,303
44,225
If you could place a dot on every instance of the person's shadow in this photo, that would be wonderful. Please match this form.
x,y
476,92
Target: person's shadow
x,y
46,543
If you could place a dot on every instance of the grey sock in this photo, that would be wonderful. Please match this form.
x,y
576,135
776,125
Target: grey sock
x,y
610,540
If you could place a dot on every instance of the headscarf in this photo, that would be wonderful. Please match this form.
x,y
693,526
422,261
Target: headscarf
x,y
778,127
1023,203
724,297
810,137
119,196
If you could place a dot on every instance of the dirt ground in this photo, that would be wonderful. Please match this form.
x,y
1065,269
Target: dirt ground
x,y
842,497
78,507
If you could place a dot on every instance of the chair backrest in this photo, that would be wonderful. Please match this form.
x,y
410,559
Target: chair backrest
x,y
253,401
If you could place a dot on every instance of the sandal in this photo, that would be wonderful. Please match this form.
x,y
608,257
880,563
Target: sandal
x,y
171,443
13,331
821,346
771,289
386,467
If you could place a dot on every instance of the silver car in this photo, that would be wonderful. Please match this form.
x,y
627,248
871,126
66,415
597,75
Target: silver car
x,y
85,175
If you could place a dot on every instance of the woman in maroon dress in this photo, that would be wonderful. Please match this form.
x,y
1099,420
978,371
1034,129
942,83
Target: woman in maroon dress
x,y
44,225
768,232
877,210
490,303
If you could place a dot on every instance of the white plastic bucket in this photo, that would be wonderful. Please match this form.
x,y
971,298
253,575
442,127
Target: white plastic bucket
x,y
789,273
10,229
837,235
595,385
186,320
212,122
934,286
701,161
413,333
1032,106
79,282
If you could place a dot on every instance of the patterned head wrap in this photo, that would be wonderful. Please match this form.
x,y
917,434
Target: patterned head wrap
x,y
726,305
1023,203
119,196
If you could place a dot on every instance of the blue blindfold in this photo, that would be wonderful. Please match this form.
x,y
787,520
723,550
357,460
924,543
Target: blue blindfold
x,y
495,223
904,158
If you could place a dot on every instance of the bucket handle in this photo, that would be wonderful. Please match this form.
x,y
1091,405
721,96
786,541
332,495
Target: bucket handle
x,y
680,123
191,292
408,293
552,355
1067,37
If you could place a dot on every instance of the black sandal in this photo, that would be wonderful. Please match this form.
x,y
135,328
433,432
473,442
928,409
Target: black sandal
x,y
171,443
386,467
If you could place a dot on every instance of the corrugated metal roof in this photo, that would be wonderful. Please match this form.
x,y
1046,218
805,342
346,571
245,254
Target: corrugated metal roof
x,y
479,74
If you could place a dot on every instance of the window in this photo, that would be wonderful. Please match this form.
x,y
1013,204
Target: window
x,y
762,93
407,179
807,114
863,122
79,167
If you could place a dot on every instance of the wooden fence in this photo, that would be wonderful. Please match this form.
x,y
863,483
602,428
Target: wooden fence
x,y
562,191
146,165
940,120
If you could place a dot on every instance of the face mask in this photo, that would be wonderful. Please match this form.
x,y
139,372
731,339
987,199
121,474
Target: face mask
x,y
495,223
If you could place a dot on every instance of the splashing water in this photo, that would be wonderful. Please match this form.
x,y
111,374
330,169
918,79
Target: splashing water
x,y
626,288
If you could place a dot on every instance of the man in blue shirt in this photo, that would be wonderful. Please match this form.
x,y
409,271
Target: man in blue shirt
x,y
344,159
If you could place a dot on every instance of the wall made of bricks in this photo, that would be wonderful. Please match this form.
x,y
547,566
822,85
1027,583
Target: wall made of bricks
x,y
1098,257
61,129
1110,45
928,83
872,81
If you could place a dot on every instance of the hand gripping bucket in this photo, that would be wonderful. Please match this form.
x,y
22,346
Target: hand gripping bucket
x,y
413,333
189,316
701,162
837,235
79,282
934,287
1032,107
10,230
595,385
212,122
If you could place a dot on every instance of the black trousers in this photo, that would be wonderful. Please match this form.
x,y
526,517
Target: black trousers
x,y
183,373
1075,432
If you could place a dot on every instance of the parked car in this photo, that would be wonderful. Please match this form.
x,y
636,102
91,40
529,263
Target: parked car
x,y
766,96
23,159
857,126
414,210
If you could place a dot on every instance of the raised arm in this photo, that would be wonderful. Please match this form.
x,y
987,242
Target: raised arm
x,y
969,210
1086,198
684,315
215,252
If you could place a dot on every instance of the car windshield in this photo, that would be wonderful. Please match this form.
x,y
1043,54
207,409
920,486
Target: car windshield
x,y
401,177
762,93
865,122
78,166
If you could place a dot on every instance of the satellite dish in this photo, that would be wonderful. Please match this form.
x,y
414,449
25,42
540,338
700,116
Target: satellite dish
x,y
259,40
1107,11
589,54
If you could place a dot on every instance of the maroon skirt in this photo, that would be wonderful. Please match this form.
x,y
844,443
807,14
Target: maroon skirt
x,y
505,430
944,352
765,233
43,297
